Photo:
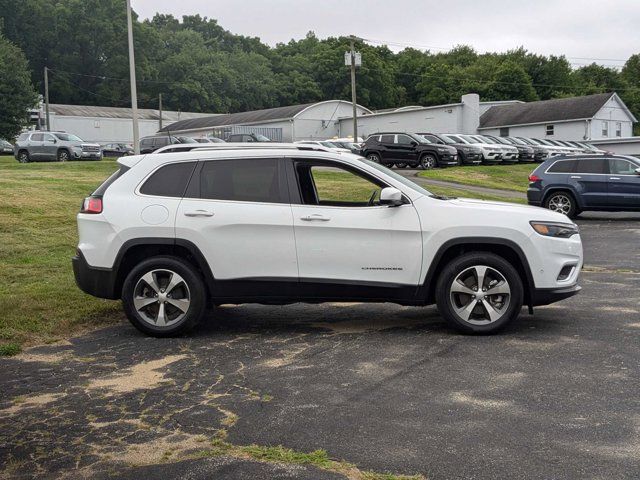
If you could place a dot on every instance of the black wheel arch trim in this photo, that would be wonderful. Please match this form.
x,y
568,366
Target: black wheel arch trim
x,y
426,290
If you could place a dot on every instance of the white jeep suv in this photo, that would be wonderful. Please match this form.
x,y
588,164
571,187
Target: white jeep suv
x,y
173,233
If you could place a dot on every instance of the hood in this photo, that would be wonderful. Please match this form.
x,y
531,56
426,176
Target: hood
x,y
526,211
89,144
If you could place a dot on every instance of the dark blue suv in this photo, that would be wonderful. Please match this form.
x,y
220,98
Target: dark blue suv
x,y
574,184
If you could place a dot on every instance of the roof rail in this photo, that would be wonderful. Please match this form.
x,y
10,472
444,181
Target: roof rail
x,y
186,147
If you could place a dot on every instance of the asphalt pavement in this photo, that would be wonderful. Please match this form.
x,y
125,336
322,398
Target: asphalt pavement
x,y
382,388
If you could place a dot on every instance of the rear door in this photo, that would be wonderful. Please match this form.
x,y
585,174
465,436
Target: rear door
x,y
623,183
344,236
590,181
237,212
386,148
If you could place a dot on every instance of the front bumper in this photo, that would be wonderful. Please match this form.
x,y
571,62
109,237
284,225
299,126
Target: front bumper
x,y
99,282
447,159
543,296
87,155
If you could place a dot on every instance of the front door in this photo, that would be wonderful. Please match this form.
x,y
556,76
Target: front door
x,y
345,237
49,147
624,184
406,149
35,146
237,212
590,181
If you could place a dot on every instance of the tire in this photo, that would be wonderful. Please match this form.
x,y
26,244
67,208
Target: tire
x,y
489,314
148,280
374,157
401,165
562,202
23,156
428,161
63,155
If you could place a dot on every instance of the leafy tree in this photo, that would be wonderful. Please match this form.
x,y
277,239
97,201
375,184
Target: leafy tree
x,y
511,82
16,91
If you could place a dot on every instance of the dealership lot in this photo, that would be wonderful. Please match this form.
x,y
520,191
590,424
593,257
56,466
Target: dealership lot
x,y
555,395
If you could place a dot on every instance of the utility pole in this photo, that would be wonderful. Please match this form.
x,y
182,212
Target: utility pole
x,y
46,97
353,89
160,109
132,75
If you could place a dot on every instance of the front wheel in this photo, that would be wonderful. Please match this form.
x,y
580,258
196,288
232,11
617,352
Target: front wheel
x,y
63,156
479,293
428,162
164,296
401,165
374,157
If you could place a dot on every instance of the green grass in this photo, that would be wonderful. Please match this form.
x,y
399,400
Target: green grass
x,y
39,300
462,193
503,177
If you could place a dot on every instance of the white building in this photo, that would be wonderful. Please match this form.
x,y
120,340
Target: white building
x,y
109,124
285,124
591,117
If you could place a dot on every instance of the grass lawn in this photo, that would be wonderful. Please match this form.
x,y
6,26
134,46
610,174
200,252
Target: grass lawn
x,y
505,177
39,300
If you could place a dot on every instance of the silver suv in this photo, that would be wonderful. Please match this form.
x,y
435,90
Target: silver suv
x,y
60,146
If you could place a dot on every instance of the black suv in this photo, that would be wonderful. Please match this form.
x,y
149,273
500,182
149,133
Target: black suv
x,y
467,154
154,142
408,150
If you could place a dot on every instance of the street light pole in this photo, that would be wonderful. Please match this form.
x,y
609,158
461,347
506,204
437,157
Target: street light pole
x,y
353,89
132,75
46,98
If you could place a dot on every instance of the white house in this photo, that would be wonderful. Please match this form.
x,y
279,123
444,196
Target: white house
x,y
286,124
591,117
109,124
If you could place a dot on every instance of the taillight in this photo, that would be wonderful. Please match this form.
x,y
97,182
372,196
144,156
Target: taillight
x,y
534,178
92,205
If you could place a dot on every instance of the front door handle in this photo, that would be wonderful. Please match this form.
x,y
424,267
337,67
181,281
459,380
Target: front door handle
x,y
198,213
315,216
614,178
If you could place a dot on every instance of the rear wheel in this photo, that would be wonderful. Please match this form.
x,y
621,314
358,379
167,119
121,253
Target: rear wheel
x,y
562,202
23,156
479,293
164,296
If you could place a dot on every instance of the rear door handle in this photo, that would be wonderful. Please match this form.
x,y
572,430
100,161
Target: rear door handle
x,y
614,178
198,213
576,176
315,216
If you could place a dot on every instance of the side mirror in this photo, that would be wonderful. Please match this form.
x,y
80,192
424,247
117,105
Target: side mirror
x,y
391,196
637,170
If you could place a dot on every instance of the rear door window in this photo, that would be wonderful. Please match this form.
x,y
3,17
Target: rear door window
x,y
169,181
37,137
387,138
259,180
563,166
591,166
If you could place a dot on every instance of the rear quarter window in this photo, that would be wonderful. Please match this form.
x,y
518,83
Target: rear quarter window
x,y
169,181
563,166
99,192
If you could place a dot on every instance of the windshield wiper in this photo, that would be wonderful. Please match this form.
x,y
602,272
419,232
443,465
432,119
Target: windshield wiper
x,y
441,197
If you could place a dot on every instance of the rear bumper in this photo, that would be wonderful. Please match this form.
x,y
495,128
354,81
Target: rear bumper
x,y
99,282
534,196
543,296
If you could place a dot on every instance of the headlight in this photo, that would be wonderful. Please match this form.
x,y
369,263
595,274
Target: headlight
x,y
466,150
558,230
442,150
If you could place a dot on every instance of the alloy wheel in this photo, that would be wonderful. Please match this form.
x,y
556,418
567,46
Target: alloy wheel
x,y
63,156
560,203
428,162
23,157
161,298
480,295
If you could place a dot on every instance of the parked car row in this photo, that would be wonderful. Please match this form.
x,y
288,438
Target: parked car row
x,y
429,150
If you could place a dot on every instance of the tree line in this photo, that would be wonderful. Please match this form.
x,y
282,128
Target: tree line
x,y
199,66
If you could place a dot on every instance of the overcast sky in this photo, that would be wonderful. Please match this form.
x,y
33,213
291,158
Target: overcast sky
x,y
605,30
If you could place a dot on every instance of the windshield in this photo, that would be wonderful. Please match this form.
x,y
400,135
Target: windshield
x,y
487,140
405,181
187,140
5,143
469,139
329,145
68,137
517,141
446,139
542,142
456,138
503,141
528,141
262,138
